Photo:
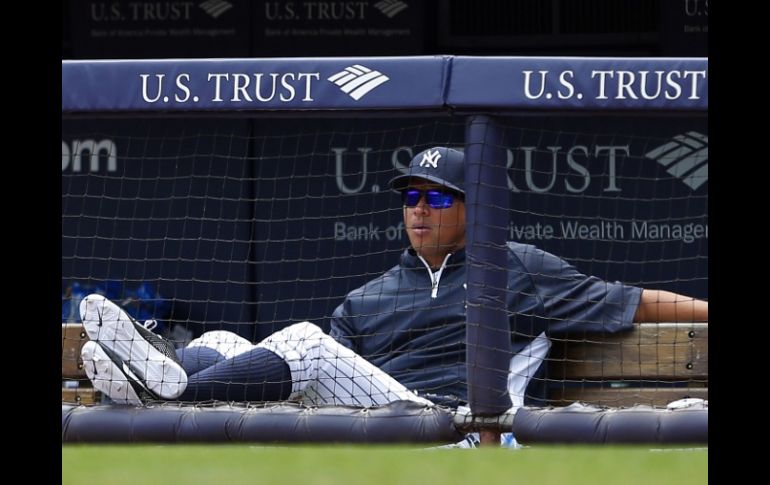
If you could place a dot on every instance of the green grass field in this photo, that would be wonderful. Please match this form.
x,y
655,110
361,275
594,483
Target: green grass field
x,y
343,465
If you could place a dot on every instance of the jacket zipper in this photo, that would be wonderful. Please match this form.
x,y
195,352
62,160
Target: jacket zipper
x,y
435,277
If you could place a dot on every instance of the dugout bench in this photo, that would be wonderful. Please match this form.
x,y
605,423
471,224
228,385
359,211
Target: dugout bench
x,y
76,387
654,364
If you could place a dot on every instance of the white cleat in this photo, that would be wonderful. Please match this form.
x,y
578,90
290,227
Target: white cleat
x,y
110,377
147,355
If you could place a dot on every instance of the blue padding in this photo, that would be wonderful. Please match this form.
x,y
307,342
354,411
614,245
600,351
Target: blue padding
x,y
580,423
253,84
579,83
488,333
385,83
398,422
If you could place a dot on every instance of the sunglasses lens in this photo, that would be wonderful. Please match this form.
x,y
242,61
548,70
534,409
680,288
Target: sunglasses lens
x,y
411,197
436,199
439,200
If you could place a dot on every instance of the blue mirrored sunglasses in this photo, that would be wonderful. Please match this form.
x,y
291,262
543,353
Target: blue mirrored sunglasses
x,y
436,199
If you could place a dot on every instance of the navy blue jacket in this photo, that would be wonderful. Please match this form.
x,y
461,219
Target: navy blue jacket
x,y
394,322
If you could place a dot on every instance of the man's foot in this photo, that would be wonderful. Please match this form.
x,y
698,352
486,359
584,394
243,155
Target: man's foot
x,y
471,440
112,376
148,356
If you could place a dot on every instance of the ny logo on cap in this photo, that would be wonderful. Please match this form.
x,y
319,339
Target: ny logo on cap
x,y
430,158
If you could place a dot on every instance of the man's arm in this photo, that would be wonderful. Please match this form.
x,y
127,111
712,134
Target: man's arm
x,y
665,306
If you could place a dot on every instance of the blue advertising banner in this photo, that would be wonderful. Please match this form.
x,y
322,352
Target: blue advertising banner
x,y
578,83
253,84
501,83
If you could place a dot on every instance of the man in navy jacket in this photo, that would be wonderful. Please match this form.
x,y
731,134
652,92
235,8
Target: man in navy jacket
x,y
400,336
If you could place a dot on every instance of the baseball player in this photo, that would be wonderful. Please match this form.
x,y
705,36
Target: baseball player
x,y
401,336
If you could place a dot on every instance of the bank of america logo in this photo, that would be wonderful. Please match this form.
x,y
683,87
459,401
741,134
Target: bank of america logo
x,y
686,158
390,8
215,8
358,80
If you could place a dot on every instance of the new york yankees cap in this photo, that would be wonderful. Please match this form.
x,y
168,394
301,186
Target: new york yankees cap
x,y
438,164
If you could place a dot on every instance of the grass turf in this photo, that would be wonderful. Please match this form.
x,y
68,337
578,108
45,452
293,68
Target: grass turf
x,y
333,465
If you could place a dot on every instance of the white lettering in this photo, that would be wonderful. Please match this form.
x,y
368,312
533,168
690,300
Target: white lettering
x,y
673,84
160,10
288,87
218,85
343,232
258,89
326,10
95,151
527,91
401,167
571,163
695,75
183,87
612,175
625,83
528,170
658,84
266,87
604,230
602,80
530,231
633,84
532,168
145,94
308,77
339,172
567,84
687,233
240,83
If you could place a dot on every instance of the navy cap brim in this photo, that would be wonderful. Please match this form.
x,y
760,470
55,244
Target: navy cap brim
x,y
400,182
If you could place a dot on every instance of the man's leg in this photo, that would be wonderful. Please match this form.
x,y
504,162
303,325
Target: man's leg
x,y
324,372
299,360
254,375
224,366
211,348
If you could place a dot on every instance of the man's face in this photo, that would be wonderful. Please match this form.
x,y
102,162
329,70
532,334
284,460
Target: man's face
x,y
434,233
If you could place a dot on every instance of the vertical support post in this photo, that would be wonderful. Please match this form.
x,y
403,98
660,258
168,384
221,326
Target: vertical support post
x,y
488,334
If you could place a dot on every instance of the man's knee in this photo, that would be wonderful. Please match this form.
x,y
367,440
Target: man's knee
x,y
296,341
305,328
225,342
298,332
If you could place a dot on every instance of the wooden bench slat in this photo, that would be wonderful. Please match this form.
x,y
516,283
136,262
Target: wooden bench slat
x,y
73,336
651,351
80,395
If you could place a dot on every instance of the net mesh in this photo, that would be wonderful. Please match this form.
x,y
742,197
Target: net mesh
x,y
252,224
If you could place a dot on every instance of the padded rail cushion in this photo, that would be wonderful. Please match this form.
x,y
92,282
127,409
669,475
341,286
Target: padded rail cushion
x,y
399,422
579,423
